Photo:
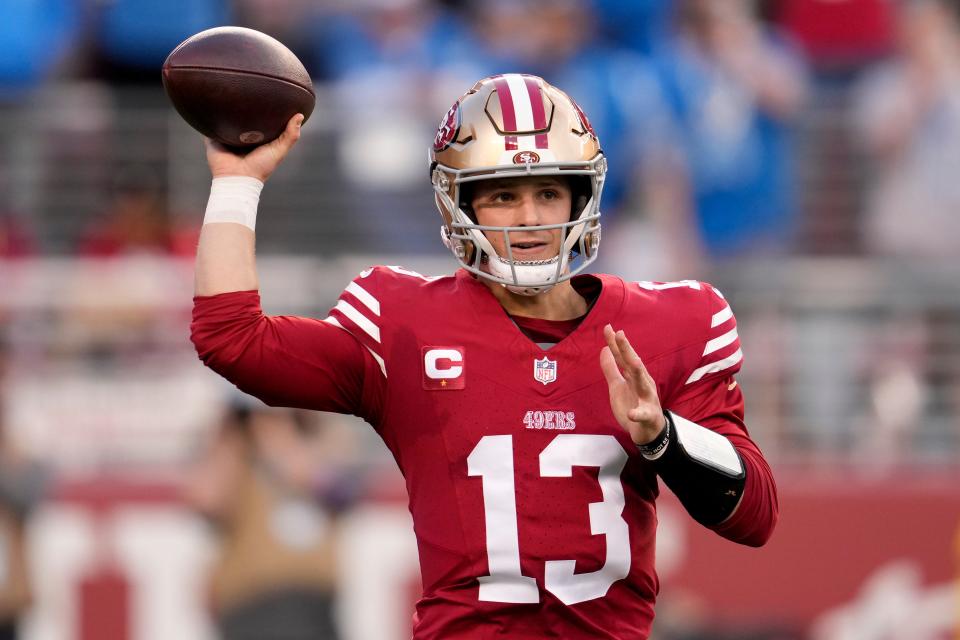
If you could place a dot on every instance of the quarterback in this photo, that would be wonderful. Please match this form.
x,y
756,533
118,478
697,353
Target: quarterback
x,y
531,407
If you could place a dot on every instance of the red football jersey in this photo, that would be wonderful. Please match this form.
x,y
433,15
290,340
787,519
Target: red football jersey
x,y
533,511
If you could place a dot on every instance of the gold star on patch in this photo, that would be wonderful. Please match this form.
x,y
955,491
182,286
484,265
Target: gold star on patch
x,y
443,383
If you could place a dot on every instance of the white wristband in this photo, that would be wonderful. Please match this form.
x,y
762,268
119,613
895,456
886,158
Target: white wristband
x,y
234,199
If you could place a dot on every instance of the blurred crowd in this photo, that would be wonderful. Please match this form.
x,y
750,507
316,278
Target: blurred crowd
x,y
703,108
744,137
739,132
272,484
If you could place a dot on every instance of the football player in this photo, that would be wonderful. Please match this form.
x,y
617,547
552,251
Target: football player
x,y
530,406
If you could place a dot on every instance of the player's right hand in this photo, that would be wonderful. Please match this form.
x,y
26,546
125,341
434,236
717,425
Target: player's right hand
x,y
633,393
258,163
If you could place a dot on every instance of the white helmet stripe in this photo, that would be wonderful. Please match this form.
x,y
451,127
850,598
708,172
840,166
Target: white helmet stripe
x,y
522,107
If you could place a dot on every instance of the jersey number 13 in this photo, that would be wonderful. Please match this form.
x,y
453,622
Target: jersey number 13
x,y
492,460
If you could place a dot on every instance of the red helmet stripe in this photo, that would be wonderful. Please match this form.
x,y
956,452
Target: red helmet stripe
x,y
536,103
506,108
539,115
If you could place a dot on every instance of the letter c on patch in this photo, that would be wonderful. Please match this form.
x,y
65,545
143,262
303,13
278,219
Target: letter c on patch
x,y
433,357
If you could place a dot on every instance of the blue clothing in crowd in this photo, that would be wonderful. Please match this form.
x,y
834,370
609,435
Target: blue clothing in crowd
x,y
34,37
141,33
739,158
641,25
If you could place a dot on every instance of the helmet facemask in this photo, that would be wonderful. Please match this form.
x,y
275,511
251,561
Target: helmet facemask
x,y
468,241
517,126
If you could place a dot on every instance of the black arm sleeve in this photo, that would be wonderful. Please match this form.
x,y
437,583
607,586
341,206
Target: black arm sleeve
x,y
708,493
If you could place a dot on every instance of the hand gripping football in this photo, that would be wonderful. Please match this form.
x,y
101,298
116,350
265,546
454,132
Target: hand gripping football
x,y
237,86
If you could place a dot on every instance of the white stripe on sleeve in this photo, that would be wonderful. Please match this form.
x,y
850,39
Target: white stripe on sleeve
x,y
721,316
363,296
719,343
713,367
359,319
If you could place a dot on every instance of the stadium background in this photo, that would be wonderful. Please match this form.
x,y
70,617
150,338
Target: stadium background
x,y
830,221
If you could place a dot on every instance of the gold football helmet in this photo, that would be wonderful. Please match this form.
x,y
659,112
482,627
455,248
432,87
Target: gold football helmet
x,y
517,125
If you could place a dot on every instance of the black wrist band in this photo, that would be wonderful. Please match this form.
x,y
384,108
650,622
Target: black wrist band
x,y
655,448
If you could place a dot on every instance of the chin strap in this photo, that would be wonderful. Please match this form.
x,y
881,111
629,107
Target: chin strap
x,y
527,291
527,275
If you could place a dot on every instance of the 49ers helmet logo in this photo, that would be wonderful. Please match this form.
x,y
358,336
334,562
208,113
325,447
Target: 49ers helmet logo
x,y
526,157
449,128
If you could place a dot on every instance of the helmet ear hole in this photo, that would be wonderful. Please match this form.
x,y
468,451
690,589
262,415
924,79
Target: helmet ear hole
x,y
466,201
581,190
579,204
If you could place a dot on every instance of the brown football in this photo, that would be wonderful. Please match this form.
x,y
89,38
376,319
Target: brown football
x,y
237,85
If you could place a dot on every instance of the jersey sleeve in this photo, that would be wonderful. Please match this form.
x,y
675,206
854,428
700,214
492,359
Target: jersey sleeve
x,y
287,360
710,396
358,312
721,355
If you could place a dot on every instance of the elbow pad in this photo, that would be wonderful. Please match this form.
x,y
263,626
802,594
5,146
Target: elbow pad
x,y
701,467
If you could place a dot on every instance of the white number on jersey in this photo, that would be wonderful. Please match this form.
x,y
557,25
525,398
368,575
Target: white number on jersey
x,y
492,460
660,286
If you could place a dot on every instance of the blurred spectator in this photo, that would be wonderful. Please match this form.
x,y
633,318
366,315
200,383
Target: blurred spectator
x,y
134,37
734,89
22,484
639,24
286,20
374,37
907,113
838,36
379,56
35,36
137,221
276,520
122,303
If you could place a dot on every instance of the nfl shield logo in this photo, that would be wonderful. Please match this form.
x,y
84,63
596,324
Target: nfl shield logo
x,y
545,370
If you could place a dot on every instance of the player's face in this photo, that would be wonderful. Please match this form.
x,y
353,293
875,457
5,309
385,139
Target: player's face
x,y
524,202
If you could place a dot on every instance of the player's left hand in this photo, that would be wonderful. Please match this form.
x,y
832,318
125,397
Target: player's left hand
x,y
633,393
